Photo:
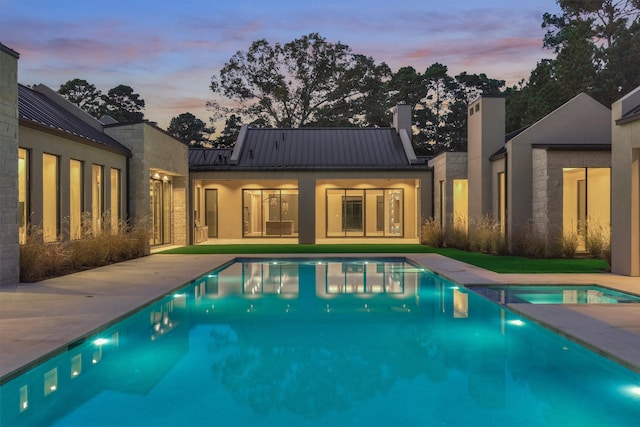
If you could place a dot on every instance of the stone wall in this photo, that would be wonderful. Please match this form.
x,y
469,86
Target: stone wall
x,y
547,188
446,167
9,248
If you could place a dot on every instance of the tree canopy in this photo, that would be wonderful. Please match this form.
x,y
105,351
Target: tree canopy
x,y
190,129
120,102
308,81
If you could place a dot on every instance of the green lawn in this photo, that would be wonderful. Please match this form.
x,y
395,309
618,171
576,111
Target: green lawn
x,y
499,264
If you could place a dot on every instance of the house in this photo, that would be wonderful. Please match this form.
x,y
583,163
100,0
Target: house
x,y
625,179
65,172
60,166
313,185
552,178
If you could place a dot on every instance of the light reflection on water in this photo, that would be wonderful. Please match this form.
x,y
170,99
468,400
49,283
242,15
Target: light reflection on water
x,y
324,343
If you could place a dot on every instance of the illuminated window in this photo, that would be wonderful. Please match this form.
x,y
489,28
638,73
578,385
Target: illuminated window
x,y
270,213
50,198
461,202
211,211
365,213
97,189
502,200
75,199
23,193
115,200
161,201
586,201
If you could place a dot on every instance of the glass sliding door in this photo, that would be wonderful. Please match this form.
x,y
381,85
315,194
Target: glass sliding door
x,y
270,213
365,213
160,195
50,198
76,200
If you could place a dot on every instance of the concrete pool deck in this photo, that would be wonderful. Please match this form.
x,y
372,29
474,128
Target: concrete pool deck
x,y
43,317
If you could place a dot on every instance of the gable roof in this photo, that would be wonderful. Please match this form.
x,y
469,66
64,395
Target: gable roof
x,y
37,109
312,148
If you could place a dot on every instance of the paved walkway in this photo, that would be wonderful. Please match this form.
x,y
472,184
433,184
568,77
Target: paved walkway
x,y
39,318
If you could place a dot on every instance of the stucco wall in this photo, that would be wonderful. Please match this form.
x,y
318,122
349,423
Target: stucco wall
x,y
9,248
39,142
312,197
486,118
625,180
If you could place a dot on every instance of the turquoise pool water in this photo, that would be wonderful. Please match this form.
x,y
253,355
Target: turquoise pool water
x,y
555,295
323,343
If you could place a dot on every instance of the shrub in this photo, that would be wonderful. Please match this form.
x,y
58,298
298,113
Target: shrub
x,y
457,236
488,236
528,242
40,260
432,233
598,239
569,244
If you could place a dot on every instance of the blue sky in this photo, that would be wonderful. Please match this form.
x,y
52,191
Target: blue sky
x,y
167,51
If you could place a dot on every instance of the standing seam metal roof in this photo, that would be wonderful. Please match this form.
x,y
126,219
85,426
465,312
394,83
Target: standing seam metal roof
x,y
266,148
37,108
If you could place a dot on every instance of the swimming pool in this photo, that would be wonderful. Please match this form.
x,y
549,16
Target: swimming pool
x,y
324,342
544,294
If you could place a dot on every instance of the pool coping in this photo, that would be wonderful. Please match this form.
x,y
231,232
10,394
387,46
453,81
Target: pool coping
x,y
43,318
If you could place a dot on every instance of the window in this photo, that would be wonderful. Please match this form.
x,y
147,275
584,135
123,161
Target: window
x,y
441,204
160,208
50,198
586,201
97,197
115,200
502,202
270,213
461,203
75,199
364,213
23,194
352,213
211,211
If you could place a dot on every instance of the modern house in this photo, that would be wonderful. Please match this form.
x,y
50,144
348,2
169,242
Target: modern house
x,y
66,172
60,166
552,177
313,185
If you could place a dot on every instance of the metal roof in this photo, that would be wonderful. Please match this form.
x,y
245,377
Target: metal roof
x,y
311,148
202,156
37,108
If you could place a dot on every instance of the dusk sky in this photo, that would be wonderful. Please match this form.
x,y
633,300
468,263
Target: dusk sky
x,y
167,51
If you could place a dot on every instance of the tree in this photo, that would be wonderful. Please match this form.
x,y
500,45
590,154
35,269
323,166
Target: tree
x,y
123,104
306,81
439,103
189,128
84,95
229,134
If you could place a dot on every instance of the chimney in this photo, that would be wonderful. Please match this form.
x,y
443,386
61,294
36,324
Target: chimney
x,y
402,118
402,125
